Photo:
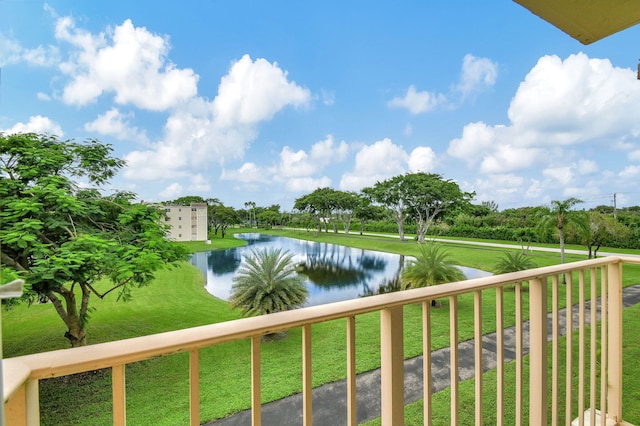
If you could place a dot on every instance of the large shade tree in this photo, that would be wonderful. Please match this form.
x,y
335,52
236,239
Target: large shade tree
x,y
269,218
365,211
422,197
597,228
429,195
67,240
221,218
319,205
267,282
390,194
345,205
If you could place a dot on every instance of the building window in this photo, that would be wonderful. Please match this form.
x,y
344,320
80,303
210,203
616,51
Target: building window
x,y
193,209
167,210
179,226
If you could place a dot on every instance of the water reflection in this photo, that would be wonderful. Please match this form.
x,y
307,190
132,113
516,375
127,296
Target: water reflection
x,y
387,286
333,272
227,261
328,274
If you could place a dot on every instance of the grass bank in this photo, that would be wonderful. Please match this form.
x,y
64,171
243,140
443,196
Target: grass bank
x,y
157,389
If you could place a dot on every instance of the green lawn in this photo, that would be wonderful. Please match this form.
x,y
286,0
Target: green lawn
x,y
157,389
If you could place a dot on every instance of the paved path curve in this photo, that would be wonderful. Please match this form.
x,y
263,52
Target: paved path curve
x,y
329,400
511,246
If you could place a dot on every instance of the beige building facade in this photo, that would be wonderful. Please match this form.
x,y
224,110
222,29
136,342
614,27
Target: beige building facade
x,y
187,223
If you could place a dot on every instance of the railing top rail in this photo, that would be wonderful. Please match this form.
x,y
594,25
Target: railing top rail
x,y
69,361
14,374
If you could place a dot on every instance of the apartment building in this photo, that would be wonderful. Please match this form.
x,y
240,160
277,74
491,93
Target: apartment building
x,y
187,223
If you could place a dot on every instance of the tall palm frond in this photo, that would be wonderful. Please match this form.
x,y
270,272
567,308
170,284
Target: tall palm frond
x,y
431,267
266,283
513,261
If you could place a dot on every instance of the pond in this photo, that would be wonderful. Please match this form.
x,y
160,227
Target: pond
x,y
334,273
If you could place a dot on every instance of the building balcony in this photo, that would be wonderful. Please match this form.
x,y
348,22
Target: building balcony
x,y
530,299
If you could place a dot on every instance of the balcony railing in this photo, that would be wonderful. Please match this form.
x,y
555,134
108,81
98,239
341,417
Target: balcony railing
x,y
597,364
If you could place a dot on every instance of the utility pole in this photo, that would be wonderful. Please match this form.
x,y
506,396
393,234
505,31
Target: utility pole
x,y
615,212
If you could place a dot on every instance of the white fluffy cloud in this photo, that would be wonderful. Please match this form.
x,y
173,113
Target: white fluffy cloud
x,y
302,164
307,184
198,184
477,138
171,192
422,159
375,162
417,102
476,74
252,177
576,100
586,167
201,132
297,170
509,158
254,91
116,124
562,175
247,173
37,124
559,105
128,61
630,172
12,52
499,186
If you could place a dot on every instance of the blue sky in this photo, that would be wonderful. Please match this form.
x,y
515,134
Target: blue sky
x,y
267,101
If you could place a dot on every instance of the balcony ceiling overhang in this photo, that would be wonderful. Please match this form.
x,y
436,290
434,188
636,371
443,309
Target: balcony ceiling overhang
x,y
586,20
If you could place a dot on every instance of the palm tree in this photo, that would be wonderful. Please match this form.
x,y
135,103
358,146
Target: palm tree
x,y
267,282
513,261
431,267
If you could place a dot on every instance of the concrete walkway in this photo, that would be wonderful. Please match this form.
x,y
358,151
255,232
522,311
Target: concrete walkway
x,y
511,246
329,400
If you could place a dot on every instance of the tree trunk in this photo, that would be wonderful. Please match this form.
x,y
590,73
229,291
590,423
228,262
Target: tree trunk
x,y
398,216
401,231
347,224
76,333
561,235
423,227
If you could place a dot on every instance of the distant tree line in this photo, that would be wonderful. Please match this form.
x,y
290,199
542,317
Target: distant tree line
x,y
426,204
